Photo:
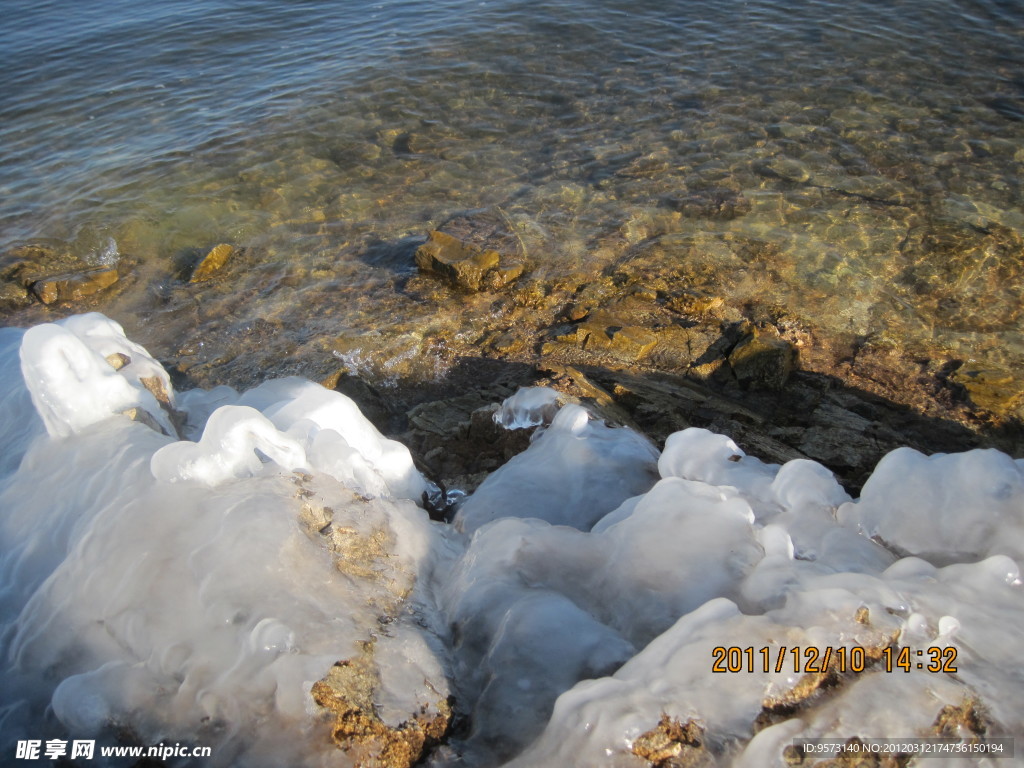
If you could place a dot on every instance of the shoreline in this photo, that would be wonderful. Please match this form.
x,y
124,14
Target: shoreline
x,y
636,341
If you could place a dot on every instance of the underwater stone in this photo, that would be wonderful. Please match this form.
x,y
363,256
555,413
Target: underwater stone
x,y
719,204
873,188
74,286
13,295
605,333
785,168
212,263
989,388
464,265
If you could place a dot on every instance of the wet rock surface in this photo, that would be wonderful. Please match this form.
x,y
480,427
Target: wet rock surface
x,y
49,275
212,263
465,265
74,286
804,271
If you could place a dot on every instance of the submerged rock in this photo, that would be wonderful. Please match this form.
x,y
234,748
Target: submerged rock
x,y
718,204
464,265
74,286
605,334
13,295
966,278
999,392
212,263
785,168
51,275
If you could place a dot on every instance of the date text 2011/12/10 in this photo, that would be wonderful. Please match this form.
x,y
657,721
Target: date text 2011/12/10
x,y
811,659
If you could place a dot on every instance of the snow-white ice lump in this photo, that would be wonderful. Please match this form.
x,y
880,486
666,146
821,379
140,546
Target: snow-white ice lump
x,y
191,566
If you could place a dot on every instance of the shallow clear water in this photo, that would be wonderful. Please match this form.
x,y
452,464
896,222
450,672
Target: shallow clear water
x,y
856,163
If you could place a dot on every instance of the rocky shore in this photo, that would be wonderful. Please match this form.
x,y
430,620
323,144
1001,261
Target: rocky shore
x,y
649,338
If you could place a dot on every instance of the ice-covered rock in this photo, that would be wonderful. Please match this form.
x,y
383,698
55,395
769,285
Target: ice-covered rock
x,y
293,424
198,591
235,442
574,473
74,385
944,507
20,421
321,416
529,407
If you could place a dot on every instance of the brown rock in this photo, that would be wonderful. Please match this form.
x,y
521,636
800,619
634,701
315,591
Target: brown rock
x,y
458,439
74,286
998,392
694,303
969,719
605,333
28,264
348,693
813,686
761,361
671,744
13,295
144,417
785,168
464,265
118,360
212,263
717,204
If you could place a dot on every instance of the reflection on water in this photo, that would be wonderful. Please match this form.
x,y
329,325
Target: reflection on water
x,y
857,163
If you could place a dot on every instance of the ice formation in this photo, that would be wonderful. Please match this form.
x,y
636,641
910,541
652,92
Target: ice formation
x,y
529,407
193,566
573,475
197,590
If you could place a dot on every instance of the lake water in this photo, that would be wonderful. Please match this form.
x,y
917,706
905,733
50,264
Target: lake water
x,y
856,163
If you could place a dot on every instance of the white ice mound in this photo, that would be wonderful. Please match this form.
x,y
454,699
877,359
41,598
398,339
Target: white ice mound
x,y
574,473
293,424
196,591
723,552
107,339
946,507
697,454
69,369
343,442
17,414
529,407
228,449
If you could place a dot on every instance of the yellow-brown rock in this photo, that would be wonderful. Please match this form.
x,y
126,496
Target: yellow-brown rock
x,y
347,692
465,265
998,392
212,263
605,333
762,361
671,744
74,286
